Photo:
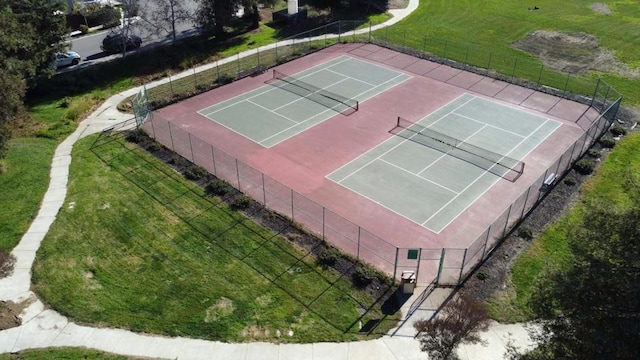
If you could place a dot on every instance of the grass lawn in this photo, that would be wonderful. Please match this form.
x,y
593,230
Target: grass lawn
x,y
22,186
551,248
492,25
62,353
136,246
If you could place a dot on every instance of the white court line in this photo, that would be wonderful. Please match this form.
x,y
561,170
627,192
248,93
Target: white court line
x,y
493,126
307,96
416,175
479,177
268,89
393,148
352,78
331,109
447,153
271,111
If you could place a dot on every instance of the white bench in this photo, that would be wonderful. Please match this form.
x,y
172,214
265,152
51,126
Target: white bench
x,y
548,181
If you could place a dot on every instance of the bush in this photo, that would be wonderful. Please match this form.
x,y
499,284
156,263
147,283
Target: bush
x,y
136,136
593,153
155,147
607,142
585,166
218,187
525,232
240,202
195,172
363,276
618,130
329,256
569,181
84,29
482,276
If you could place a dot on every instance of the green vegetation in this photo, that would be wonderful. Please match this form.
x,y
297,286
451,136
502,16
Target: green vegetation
x,y
62,353
144,249
551,247
22,186
492,26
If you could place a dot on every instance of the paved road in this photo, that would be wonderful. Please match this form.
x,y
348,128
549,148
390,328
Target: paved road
x,y
88,46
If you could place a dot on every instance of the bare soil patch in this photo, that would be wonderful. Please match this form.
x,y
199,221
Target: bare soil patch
x,y
601,8
577,53
10,313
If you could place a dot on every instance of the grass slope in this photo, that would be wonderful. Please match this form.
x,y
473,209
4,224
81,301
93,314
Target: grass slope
x,y
138,247
551,247
62,353
22,186
493,25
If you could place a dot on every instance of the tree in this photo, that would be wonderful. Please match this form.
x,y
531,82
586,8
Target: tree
x,y
460,320
214,15
32,32
162,16
590,308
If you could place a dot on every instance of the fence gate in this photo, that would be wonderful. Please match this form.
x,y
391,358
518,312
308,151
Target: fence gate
x,y
424,263
141,109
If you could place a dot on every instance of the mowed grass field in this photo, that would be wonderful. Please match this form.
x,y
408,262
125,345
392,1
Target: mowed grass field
x,y
481,32
136,246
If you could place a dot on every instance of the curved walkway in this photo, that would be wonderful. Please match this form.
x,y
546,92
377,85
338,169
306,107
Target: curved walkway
x,y
43,327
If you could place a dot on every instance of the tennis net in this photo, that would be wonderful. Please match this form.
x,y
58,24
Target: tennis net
x,y
501,165
339,103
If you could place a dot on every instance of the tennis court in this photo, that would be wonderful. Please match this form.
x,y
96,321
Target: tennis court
x,y
433,169
292,103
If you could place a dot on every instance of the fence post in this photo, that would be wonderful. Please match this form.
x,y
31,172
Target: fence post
x,y
559,162
213,159
339,30
369,41
238,175
264,192
404,41
595,92
442,255
323,222
217,72
571,157
258,54
395,264
524,207
486,241
325,42
171,137
445,49
386,34
358,248
191,147
418,267
464,258
566,83
238,60
513,73
424,45
540,74
171,87
354,31
292,217
153,129
506,222
466,56
195,80
489,64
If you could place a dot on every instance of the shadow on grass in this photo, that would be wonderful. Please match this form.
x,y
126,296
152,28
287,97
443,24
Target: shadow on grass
x,y
283,264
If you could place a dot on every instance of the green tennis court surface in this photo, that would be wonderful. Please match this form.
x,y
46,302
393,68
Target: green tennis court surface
x,y
275,112
430,182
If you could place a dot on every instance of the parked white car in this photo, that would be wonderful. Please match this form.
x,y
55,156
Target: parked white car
x,y
67,58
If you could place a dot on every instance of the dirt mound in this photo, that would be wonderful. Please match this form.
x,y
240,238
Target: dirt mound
x,y
9,315
576,53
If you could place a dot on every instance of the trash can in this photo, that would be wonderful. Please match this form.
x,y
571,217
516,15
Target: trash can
x,y
408,282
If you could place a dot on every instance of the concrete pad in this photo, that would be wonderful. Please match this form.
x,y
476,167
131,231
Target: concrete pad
x,y
374,349
41,331
514,94
262,351
360,52
133,344
465,79
401,61
222,351
489,86
404,348
8,339
540,101
24,258
443,73
568,110
31,240
105,339
296,351
382,55
196,349
73,335
330,351
422,67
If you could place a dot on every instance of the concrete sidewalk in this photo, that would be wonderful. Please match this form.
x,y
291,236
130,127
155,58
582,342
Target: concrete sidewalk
x,y
43,328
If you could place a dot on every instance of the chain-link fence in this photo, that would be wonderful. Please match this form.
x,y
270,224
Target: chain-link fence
x,y
448,266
